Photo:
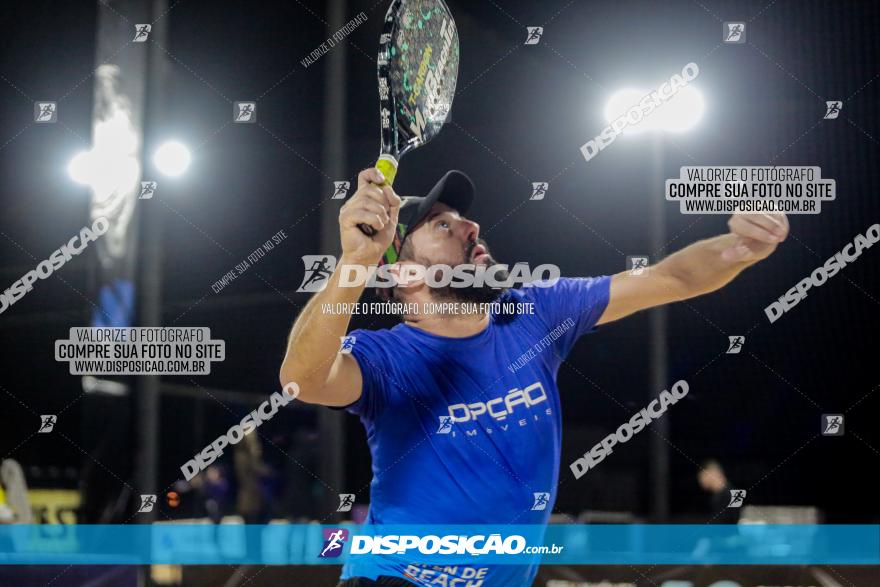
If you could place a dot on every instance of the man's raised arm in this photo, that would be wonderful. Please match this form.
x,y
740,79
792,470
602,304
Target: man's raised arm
x,y
700,268
312,361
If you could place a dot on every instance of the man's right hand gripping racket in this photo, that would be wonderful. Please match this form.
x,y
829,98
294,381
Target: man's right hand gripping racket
x,y
418,69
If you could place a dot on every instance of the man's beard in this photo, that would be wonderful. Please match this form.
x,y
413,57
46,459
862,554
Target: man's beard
x,y
478,294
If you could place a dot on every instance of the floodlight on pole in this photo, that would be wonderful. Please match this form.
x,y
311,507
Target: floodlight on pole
x,y
637,112
172,158
80,168
110,167
680,113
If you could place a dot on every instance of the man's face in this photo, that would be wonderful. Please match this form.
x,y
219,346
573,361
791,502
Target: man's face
x,y
445,237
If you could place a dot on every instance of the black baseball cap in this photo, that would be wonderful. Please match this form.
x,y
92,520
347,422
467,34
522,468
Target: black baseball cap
x,y
455,189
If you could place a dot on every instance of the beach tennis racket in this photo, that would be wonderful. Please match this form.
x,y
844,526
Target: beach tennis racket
x,y
418,69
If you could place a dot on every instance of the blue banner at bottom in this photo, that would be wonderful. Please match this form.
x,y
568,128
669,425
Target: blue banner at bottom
x,y
313,544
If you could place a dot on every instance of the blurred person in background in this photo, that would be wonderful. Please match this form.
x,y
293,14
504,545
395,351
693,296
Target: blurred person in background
x,y
251,474
215,492
251,477
713,480
15,508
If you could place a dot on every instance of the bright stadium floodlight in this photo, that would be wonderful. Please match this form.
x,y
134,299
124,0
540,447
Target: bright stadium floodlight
x,y
172,158
104,173
110,167
678,114
80,168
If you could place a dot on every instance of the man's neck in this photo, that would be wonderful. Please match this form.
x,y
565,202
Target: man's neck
x,y
452,326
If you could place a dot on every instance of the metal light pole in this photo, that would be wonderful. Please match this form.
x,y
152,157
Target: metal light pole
x,y
678,112
149,278
659,470
331,423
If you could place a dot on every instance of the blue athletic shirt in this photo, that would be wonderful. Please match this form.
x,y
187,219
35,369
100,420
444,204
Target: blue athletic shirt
x,y
468,430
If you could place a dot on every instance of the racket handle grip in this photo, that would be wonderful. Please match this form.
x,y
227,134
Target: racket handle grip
x,y
388,166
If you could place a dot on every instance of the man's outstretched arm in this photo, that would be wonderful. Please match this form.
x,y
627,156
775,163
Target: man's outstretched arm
x,y
312,360
700,268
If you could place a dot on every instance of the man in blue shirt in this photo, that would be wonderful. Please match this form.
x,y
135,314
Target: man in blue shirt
x,y
462,411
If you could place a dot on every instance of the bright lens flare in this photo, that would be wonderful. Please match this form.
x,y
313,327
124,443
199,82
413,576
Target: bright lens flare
x,y
80,168
110,167
172,158
678,114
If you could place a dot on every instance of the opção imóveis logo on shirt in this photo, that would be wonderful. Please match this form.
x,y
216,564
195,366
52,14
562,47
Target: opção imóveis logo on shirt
x,y
517,404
